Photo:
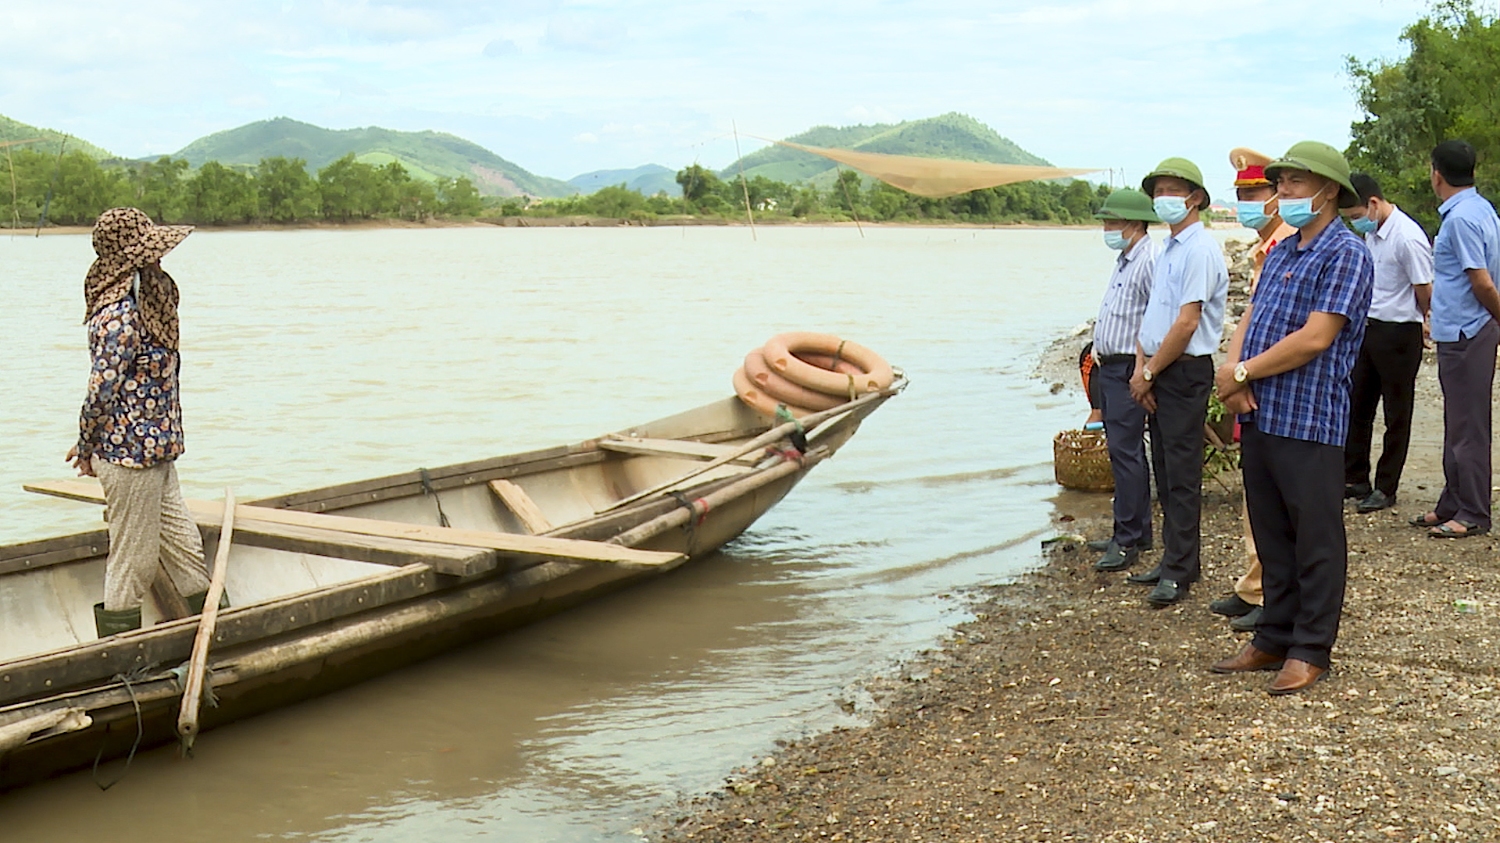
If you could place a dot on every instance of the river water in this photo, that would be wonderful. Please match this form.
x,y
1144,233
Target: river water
x,y
316,357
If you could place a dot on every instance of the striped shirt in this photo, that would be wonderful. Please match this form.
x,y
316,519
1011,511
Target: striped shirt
x,y
1190,270
1334,274
1119,323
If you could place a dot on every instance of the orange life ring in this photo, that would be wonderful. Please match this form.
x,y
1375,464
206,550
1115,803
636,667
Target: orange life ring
x,y
759,401
781,353
829,362
783,390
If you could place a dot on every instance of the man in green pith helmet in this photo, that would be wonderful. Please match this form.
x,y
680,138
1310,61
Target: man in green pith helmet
x,y
1125,213
1174,369
1288,378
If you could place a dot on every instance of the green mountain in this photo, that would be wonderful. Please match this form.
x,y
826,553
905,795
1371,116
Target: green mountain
x,y
11,130
647,179
426,155
951,135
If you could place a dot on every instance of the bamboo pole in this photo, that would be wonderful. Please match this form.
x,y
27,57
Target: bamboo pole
x,y
744,185
773,435
192,695
717,498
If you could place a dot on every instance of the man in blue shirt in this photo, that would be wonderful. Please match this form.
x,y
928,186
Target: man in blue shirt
x,y
1465,307
1174,370
1126,213
1288,377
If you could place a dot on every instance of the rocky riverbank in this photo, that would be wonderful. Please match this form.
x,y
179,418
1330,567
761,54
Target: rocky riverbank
x,y
1069,711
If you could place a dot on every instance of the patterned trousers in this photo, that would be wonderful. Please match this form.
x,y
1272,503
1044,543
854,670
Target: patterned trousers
x,y
148,523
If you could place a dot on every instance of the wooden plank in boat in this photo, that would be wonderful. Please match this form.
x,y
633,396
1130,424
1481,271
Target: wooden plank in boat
x,y
414,486
256,519
522,506
442,477
170,643
684,448
39,554
454,560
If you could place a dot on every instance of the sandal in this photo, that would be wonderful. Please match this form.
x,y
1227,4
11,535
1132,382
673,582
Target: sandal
x,y
1422,520
1444,531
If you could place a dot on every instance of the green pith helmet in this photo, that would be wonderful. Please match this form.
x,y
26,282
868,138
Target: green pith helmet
x,y
1322,159
1177,168
1127,203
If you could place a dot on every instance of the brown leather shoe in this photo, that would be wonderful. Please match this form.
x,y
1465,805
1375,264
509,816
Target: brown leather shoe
x,y
1295,675
1248,660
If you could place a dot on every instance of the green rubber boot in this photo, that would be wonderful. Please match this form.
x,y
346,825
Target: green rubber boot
x,y
111,623
195,601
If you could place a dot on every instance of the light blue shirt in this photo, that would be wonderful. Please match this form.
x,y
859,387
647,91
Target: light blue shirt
x,y
1468,239
1190,269
1119,322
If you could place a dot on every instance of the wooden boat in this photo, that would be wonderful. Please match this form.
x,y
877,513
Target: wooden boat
x,y
335,585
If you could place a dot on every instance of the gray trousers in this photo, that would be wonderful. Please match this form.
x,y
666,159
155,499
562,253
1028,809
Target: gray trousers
x,y
148,524
1125,433
1466,371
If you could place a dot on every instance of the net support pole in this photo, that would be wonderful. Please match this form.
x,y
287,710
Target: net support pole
x,y
744,185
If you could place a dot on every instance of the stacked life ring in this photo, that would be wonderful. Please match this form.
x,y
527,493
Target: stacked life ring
x,y
809,373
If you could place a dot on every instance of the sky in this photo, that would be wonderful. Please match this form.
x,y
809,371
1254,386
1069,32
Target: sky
x,y
563,87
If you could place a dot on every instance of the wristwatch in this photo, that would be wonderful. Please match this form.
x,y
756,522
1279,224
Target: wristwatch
x,y
1147,375
1241,374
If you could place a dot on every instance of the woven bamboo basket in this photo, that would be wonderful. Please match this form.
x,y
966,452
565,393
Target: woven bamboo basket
x,y
1080,460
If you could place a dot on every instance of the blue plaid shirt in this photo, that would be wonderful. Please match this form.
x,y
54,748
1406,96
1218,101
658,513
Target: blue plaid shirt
x,y
1334,274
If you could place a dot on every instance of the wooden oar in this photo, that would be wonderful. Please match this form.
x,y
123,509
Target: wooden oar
x,y
775,434
192,695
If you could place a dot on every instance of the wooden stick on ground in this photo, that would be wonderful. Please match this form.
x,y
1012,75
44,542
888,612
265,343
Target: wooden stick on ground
x,y
192,695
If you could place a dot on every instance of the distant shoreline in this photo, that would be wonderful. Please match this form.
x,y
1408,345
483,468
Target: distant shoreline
x,y
574,222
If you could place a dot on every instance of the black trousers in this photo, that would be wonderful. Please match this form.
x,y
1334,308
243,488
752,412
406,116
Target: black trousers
x,y
1385,372
1296,505
1177,430
1466,371
1125,433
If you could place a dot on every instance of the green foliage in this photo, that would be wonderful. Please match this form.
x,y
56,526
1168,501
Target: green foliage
x,y
217,195
459,197
286,192
160,190
1445,88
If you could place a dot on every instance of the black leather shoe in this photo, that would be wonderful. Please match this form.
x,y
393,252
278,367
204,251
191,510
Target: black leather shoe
x,y
1117,558
1376,501
1357,490
1231,606
1247,621
1145,578
1166,593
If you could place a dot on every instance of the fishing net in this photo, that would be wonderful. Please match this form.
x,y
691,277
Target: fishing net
x,y
936,178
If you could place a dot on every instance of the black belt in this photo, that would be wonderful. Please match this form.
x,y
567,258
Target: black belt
x,y
1117,358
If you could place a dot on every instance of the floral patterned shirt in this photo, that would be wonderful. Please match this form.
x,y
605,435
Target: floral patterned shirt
x,y
132,416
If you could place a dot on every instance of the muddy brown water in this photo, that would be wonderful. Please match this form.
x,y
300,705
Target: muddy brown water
x,y
323,356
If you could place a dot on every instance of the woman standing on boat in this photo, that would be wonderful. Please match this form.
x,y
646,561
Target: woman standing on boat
x,y
130,429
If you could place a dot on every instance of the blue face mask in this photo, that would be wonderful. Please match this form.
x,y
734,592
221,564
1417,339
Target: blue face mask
x,y
1116,240
1252,214
1171,209
1364,225
1299,212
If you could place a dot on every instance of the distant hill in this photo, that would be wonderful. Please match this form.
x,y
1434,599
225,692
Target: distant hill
x,y
648,179
16,130
426,155
951,135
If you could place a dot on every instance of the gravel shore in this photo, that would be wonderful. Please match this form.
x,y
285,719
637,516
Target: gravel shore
x,y
1070,711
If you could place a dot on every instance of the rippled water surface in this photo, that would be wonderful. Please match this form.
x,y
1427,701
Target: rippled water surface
x,y
317,357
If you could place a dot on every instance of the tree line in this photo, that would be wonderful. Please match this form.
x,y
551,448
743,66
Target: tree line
x,y
704,193
74,188
1443,89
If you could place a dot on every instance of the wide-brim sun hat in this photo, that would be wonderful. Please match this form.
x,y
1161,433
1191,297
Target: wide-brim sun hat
x,y
128,237
1179,168
1127,203
1321,159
